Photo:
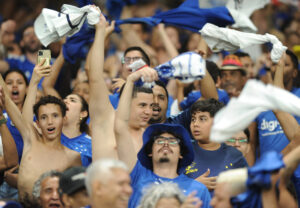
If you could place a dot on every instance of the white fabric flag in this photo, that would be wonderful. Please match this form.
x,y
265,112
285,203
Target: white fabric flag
x,y
51,26
218,38
241,11
255,98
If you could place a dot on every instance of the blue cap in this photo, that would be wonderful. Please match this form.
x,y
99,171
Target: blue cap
x,y
176,129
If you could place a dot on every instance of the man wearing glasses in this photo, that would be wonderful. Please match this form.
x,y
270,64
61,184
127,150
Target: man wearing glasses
x,y
166,152
131,55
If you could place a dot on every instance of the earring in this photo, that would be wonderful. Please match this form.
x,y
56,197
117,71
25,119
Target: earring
x,y
80,118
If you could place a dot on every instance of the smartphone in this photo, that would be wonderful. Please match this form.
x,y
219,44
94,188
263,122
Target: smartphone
x,y
44,54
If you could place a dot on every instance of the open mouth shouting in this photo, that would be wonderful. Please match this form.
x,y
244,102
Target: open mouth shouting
x,y
51,130
15,94
156,110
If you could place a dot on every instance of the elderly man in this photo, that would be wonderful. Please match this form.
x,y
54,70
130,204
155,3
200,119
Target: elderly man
x,y
108,184
45,190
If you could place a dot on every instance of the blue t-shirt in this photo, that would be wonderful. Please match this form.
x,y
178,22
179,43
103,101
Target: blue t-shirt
x,y
184,119
141,177
81,144
224,158
195,95
270,133
22,63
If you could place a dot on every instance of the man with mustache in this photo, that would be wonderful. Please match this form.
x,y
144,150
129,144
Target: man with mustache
x,y
165,153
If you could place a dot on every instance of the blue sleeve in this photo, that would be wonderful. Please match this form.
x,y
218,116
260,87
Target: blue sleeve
x,y
191,98
223,96
183,119
136,173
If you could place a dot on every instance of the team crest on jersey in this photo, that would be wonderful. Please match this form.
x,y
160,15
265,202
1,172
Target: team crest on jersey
x,y
191,168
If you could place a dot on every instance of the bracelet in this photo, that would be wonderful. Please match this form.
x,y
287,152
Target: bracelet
x,y
3,121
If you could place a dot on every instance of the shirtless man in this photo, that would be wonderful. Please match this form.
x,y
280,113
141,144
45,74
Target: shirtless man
x,y
102,113
44,152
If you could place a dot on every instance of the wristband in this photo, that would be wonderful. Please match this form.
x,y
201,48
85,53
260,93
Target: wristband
x,y
3,121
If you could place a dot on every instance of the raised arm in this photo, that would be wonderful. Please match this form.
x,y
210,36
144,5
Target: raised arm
x,y
39,72
125,147
288,123
14,113
131,37
207,85
101,111
169,46
10,154
49,82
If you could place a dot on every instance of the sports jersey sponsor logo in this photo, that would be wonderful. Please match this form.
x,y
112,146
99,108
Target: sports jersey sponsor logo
x,y
269,125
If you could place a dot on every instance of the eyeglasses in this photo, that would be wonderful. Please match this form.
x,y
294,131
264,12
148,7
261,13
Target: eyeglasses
x,y
128,60
161,140
233,140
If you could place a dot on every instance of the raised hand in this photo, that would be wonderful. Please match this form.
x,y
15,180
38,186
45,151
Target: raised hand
x,y
40,71
109,28
149,74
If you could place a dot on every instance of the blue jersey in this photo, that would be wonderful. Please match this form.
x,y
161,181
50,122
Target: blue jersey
x,y
81,144
195,95
224,158
141,177
270,133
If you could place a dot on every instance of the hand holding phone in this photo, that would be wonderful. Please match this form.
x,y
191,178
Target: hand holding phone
x,y
44,54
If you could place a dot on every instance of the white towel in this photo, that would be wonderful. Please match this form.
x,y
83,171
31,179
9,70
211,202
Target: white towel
x,y
51,26
187,67
255,98
231,40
